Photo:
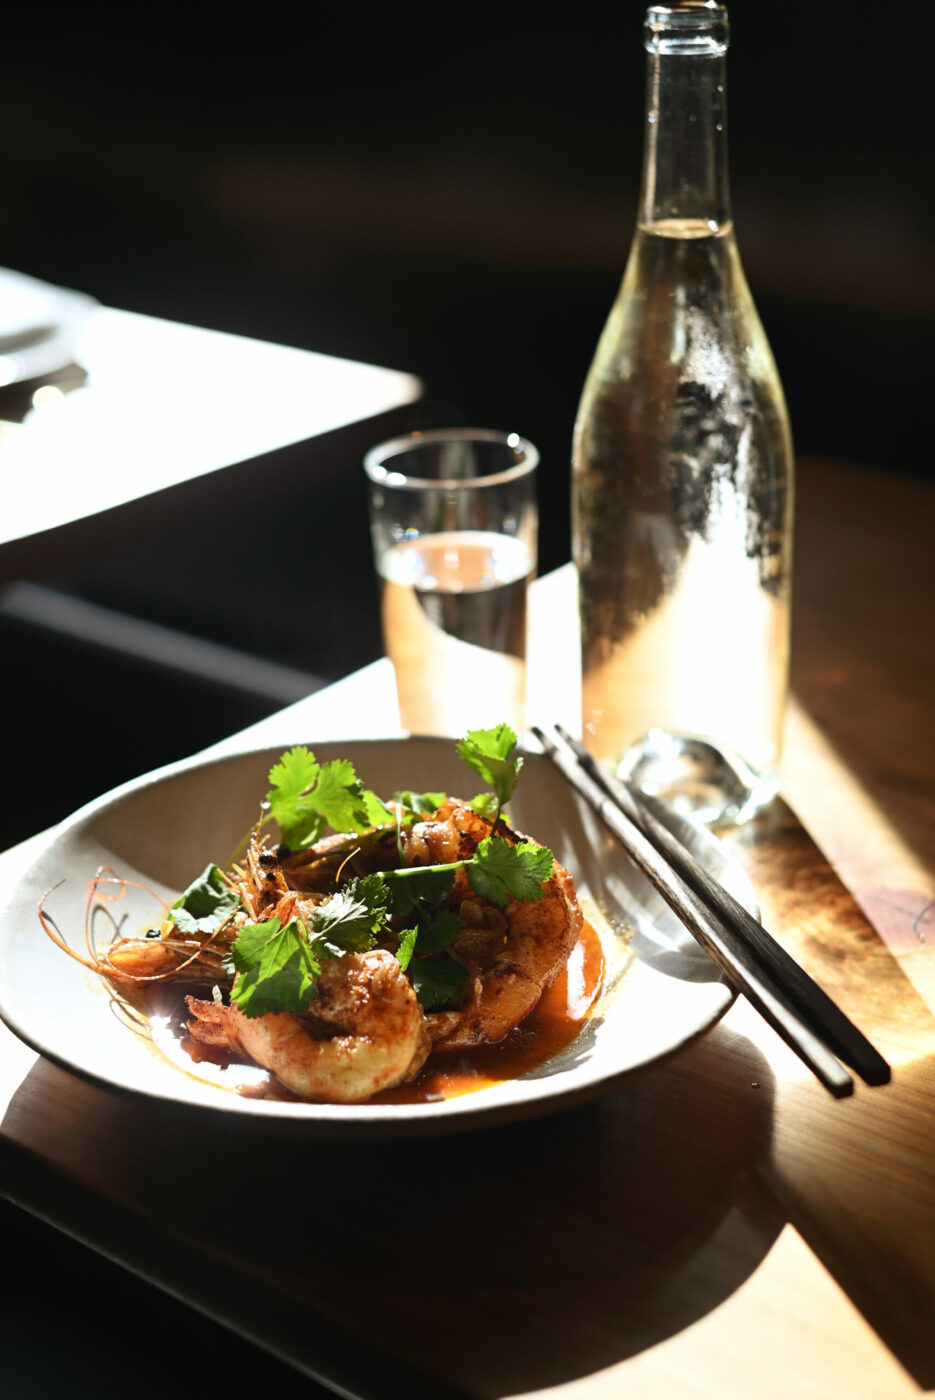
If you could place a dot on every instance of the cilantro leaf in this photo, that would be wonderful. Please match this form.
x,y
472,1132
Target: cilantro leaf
x,y
345,923
437,981
296,770
435,933
370,890
501,871
305,797
438,931
486,804
278,969
407,943
206,905
291,780
488,752
420,803
422,886
339,796
378,814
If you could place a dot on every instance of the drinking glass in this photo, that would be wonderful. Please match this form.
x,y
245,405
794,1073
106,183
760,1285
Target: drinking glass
x,y
454,520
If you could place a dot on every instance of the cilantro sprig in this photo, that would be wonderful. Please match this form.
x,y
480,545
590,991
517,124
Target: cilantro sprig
x,y
436,981
278,966
490,753
419,804
501,871
498,871
306,797
207,905
437,973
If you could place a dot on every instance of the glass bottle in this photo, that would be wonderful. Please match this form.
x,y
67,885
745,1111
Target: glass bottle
x,y
682,471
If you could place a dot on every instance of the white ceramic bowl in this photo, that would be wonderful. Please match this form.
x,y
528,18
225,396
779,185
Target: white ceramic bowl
x,y
660,992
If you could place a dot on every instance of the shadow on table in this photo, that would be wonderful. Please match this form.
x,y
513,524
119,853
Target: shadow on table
x,y
871,1219
508,1259
73,1324
855,1178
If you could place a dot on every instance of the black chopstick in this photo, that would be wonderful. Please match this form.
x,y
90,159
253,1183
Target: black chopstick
x,y
825,1016
720,940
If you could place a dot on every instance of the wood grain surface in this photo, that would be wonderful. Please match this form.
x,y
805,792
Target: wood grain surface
x,y
716,1226
859,763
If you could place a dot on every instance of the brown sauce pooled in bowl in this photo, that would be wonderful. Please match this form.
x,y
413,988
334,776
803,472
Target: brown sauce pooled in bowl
x,y
553,1024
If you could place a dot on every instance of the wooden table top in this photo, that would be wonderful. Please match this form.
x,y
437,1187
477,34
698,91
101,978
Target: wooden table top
x,y
715,1226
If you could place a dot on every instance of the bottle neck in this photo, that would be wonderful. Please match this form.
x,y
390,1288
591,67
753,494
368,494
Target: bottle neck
x,y
685,152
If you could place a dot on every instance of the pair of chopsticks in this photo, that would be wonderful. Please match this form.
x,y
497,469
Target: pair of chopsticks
x,y
804,1016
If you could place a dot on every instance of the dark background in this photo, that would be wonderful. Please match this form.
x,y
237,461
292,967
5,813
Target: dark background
x,y
442,189
450,190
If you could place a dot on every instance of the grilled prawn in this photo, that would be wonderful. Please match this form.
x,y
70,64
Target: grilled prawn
x,y
510,955
365,1031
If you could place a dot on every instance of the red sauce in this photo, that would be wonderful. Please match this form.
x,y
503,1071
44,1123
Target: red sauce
x,y
554,1023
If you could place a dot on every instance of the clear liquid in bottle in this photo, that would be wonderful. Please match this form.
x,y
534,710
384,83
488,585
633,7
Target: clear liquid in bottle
x,y
682,494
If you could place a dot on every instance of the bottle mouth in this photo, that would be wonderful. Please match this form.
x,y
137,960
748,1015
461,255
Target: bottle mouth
x,y
687,27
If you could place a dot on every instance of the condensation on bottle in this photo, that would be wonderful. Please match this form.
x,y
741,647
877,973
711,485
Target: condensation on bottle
x,y
682,471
